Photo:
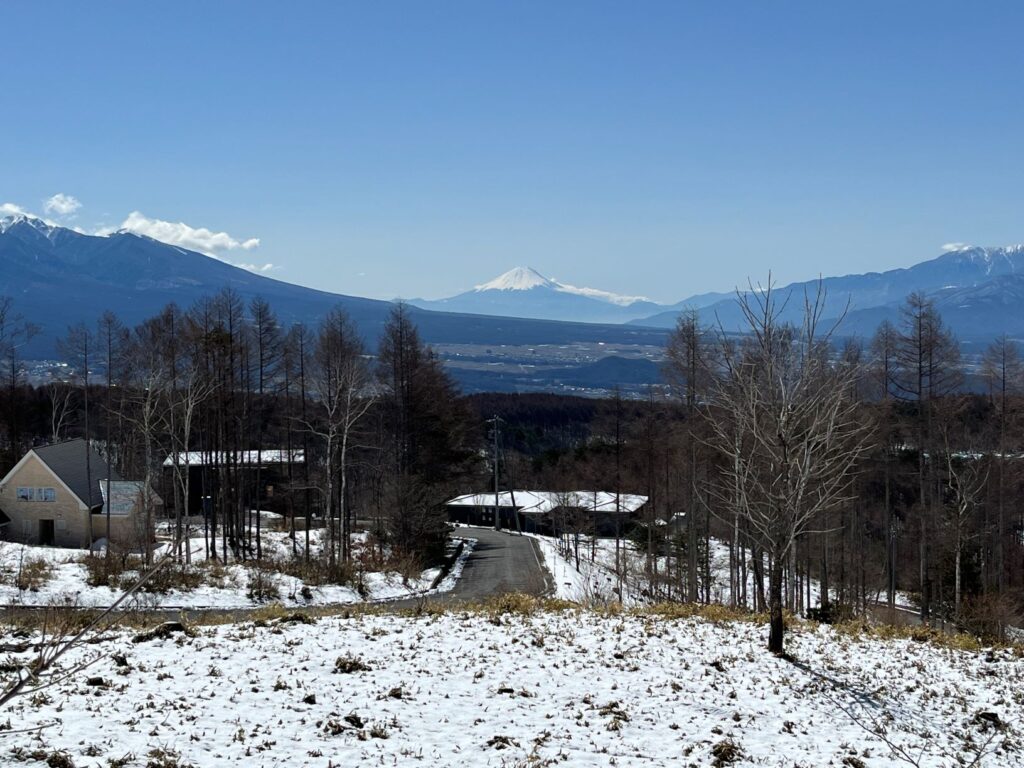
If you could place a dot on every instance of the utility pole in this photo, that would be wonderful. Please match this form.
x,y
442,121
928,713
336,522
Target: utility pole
x,y
497,509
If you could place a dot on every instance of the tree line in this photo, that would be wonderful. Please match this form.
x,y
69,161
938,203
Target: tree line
x,y
836,476
202,396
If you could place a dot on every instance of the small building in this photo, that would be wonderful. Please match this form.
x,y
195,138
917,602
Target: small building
x,y
55,496
273,467
553,512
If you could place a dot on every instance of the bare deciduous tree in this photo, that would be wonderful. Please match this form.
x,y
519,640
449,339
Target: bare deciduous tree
x,y
785,422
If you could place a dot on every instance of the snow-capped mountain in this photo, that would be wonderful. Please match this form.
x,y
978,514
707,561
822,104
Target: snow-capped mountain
x,y
977,289
59,277
525,292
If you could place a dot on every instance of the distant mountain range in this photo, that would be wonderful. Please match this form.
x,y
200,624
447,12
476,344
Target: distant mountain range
x,y
58,277
519,332
525,292
980,292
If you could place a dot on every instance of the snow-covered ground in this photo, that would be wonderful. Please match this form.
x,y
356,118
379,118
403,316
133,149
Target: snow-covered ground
x,y
573,688
595,582
225,588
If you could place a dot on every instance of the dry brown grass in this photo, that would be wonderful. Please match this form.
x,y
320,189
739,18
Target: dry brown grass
x,y
33,573
858,628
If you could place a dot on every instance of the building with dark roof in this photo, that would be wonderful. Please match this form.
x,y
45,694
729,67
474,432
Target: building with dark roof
x,y
55,495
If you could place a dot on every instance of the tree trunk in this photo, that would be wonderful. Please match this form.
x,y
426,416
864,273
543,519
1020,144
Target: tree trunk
x,y
777,627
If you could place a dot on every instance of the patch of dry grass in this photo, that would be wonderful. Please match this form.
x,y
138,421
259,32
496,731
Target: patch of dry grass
x,y
32,574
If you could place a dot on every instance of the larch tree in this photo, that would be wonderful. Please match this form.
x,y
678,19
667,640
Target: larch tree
x,y
425,429
343,387
690,370
928,369
1003,372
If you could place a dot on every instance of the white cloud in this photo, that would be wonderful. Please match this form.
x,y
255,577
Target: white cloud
x,y
62,205
954,247
10,209
254,267
194,238
179,233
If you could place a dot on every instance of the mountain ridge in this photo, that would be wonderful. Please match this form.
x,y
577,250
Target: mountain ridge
x,y
525,292
964,271
59,277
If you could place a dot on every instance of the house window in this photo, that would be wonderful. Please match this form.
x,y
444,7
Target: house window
x,y
37,494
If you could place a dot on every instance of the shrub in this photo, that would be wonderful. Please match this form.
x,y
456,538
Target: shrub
x,y
918,634
512,602
262,586
315,571
170,577
713,613
59,760
348,664
108,570
989,616
33,573
726,752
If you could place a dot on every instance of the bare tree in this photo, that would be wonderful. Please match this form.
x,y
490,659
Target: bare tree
x,y
341,382
785,422
15,333
690,371
928,368
967,476
883,370
191,389
1001,366
77,346
111,336
147,412
60,395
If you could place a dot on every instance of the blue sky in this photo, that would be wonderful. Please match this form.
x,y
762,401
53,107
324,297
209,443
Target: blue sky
x,y
417,148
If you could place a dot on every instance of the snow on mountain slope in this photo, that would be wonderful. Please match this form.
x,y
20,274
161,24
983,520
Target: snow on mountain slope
x,y
525,292
517,279
528,278
976,273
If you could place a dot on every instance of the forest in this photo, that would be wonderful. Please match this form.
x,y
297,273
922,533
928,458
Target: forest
x,y
861,470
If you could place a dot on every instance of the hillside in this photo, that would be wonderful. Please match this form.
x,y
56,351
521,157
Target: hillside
x,y
519,685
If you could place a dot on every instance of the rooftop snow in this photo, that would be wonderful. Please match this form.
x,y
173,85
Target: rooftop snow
x,y
217,458
543,502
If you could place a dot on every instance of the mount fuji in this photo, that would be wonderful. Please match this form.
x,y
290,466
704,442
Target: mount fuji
x,y
525,292
58,277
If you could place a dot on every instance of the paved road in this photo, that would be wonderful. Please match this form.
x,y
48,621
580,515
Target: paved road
x,y
501,562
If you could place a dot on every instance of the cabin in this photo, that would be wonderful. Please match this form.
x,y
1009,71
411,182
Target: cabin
x,y
273,467
549,512
56,495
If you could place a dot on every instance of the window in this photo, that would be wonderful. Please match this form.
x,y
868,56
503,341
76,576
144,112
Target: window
x,y
37,494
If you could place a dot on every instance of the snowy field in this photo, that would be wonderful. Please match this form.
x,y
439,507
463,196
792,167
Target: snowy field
x,y
571,688
66,583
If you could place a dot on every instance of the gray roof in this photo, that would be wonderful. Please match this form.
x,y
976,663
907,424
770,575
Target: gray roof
x,y
67,461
